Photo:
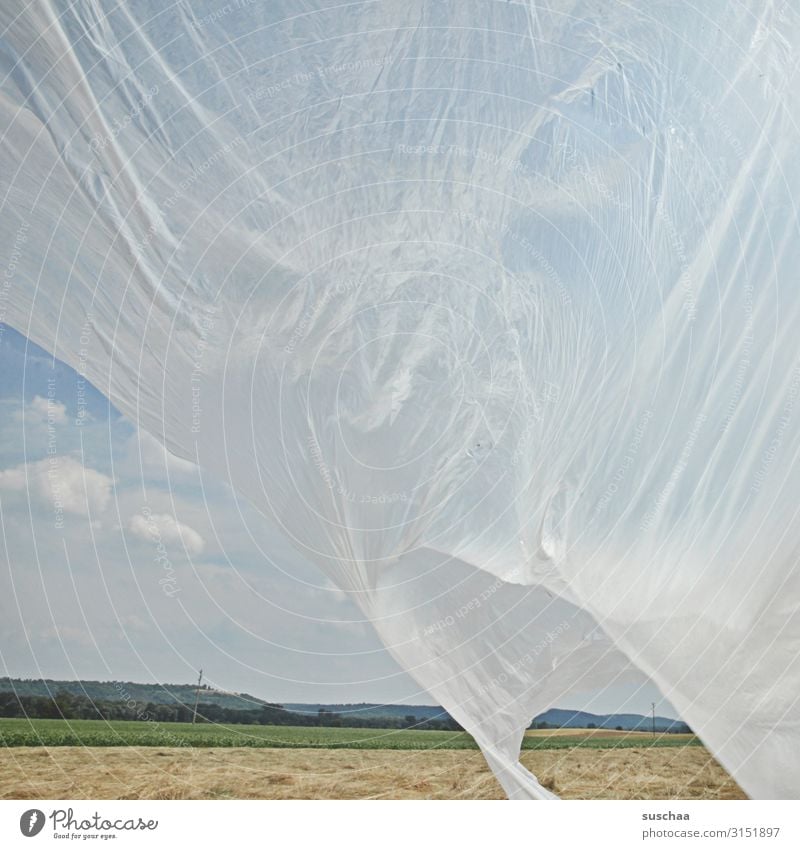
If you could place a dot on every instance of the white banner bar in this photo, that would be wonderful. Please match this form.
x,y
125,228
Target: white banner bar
x,y
405,825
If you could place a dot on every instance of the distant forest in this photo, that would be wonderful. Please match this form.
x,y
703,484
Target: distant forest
x,y
66,704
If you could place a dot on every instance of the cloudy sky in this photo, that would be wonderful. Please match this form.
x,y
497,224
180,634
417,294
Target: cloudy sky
x,y
121,562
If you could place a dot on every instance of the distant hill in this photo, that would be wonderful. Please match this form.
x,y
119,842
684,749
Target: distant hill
x,y
367,710
557,718
184,694
160,694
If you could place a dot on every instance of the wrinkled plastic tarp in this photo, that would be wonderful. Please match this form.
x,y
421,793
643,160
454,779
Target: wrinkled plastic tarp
x,y
492,306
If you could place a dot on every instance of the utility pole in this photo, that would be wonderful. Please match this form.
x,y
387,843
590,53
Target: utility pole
x,y
197,696
654,719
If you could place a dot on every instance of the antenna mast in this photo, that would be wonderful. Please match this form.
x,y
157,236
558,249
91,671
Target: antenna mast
x,y
197,696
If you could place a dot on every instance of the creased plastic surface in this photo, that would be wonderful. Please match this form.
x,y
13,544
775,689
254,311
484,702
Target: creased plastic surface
x,y
488,303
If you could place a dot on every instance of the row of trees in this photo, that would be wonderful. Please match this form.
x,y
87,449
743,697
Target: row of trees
x,y
66,705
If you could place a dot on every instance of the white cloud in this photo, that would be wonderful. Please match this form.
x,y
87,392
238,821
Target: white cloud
x,y
154,457
60,481
48,409
161,527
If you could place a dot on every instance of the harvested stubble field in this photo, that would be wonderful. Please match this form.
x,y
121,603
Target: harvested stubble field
x,y
174,773
576,764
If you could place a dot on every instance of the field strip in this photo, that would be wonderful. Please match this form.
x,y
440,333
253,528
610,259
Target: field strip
x,y
134,772
61,732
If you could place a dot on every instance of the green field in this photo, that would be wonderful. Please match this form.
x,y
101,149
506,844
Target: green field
x,y
94,732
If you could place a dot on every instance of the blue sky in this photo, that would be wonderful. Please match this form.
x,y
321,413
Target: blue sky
x,y
121,562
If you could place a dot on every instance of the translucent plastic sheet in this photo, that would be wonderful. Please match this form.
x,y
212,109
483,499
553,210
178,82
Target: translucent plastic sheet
x,y
493,306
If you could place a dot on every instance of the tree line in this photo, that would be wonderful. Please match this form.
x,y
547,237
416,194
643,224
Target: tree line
x,y
66,705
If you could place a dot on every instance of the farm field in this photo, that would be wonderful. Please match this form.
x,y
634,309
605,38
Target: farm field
x,y
88,759
135,772
92,732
